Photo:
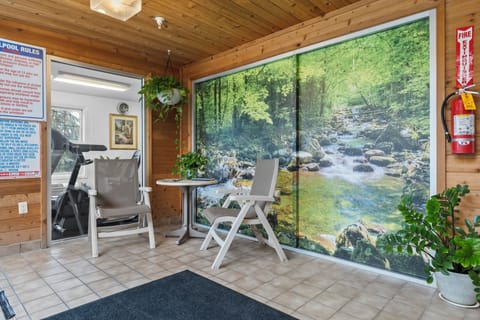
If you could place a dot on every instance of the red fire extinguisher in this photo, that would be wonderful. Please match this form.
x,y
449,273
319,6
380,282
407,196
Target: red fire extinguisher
x,y
462,135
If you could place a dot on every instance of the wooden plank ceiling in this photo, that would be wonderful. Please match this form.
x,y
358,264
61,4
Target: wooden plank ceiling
x,y
196,29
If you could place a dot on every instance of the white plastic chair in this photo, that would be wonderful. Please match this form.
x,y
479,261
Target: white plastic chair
x,y
253,209
116,196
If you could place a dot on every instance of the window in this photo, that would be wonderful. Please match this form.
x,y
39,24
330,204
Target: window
x,y
68,122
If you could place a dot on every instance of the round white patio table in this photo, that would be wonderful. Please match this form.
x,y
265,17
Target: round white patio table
x,y
187,187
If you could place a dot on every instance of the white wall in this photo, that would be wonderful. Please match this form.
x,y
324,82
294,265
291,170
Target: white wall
x,y
96,113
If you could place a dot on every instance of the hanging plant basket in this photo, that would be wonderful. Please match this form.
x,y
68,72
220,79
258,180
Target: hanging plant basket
x,y
170,96
163,94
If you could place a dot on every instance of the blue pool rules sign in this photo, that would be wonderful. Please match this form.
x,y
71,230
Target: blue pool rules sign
x,y
22,106
22,81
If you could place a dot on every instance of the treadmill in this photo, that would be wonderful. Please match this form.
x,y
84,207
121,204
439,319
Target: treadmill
x,y
70,208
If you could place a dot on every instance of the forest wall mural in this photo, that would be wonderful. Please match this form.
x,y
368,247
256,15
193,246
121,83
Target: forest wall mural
x,y
350,123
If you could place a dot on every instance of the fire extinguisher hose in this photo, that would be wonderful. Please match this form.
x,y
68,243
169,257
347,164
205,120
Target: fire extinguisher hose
x,y
444,122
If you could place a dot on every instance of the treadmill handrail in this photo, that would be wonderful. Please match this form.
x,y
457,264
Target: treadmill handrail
x,y
79,148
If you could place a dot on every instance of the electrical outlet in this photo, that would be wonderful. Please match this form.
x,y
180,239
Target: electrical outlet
x,y
22,207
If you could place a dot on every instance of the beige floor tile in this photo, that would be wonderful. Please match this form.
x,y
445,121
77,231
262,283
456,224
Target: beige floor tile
x,y
136,282
158,275
43,282
83,300
291,300
37,284
428,315
200,263
280,307
360,310
48,312
284,283
316,310
343,290
93,276
343,316
170,264
408,311
321,282
231,275
267,291
116,270
34,294
384,315
472,314
66,284
24,277
51,270
381,289
74,293
248,283
109,291
371,300
300,316
128,276
331,299
42,303
103,284
306,290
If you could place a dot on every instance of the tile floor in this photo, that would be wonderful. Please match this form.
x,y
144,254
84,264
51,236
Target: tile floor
x,y
45,282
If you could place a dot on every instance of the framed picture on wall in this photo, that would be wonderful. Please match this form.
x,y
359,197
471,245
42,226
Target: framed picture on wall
x,y
123,131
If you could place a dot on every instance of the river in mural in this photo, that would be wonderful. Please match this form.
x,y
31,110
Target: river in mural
x,y
350,125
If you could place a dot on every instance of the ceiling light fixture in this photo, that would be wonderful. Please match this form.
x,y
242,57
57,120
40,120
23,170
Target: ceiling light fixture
x,y
81,80
118,9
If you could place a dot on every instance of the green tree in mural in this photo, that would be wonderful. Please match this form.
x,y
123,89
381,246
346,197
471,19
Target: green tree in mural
x,y
369,93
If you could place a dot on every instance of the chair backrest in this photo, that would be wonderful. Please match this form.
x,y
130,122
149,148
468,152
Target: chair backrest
x,y
266,172
116,182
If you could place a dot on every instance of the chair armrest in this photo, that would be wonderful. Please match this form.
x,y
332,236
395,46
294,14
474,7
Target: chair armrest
x,y
145,189
241,198
92,192
226,191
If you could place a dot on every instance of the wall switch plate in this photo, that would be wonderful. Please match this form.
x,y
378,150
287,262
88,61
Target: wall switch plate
x,y
22,207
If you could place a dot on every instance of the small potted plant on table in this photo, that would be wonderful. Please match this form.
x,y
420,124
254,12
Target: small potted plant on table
x,y
190,165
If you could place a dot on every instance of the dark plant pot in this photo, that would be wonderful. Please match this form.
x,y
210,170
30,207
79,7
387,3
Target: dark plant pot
x,y
457,288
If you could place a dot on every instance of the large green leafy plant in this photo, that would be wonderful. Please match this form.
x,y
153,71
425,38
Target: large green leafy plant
x,y
435,234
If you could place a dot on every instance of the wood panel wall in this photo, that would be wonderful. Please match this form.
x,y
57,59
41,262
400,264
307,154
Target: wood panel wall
x,y
15,230
18,233
451,14
462,168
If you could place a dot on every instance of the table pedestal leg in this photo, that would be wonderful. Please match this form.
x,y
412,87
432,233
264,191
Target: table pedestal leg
x,y
186,231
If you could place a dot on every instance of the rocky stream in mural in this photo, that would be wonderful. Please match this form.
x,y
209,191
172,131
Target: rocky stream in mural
x,y
349,144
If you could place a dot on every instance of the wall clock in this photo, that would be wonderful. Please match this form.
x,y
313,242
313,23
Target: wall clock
x,y
122,108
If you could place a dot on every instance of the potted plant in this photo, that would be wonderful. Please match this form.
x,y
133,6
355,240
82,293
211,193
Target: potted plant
x,y
453,252
163,94
190,165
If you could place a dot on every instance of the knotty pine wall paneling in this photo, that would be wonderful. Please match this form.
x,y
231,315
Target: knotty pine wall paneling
x,y
450,14
451,169
463,168
358,16
20,233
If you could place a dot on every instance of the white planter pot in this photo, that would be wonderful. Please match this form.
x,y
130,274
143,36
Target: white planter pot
x,y
457,288
169,97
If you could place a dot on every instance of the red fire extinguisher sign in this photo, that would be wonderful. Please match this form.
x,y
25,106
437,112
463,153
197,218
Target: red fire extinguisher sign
x,y
464,56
